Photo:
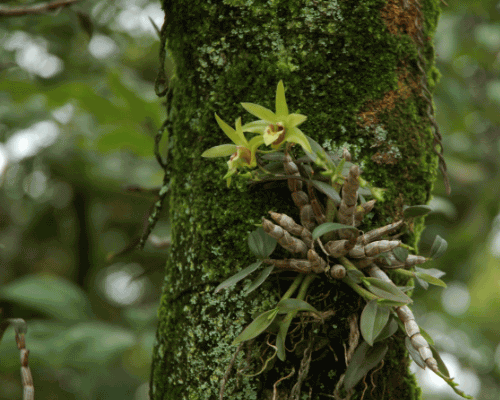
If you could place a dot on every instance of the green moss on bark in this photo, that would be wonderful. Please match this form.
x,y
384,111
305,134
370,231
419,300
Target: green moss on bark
x,y
359,83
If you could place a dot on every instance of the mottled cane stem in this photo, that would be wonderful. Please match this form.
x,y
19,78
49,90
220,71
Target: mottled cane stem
x,y
347,207
21,328
408,319
299,197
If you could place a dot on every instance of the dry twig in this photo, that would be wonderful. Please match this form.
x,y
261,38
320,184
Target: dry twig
x,y
36,9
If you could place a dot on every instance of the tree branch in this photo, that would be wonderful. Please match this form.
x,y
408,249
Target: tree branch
x,y
37,9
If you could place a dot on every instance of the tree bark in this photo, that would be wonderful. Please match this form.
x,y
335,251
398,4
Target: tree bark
x,y
361,71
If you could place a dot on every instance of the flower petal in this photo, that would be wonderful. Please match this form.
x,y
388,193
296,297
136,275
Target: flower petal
x,y
255,126
293,120
295,135
237,137
270,138
255,142
260,112
281,107
223,150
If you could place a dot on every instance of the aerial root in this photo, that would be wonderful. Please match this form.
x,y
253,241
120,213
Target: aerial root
x,y
228,372
275,386
303,370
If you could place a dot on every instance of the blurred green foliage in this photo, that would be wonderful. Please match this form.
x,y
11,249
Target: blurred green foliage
x,y
63,209
78,114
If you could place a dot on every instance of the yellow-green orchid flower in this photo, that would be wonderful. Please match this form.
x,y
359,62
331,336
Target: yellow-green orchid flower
x,y
277,128
242,151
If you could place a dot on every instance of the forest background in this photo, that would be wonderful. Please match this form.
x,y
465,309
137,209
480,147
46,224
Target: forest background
x,y
78,115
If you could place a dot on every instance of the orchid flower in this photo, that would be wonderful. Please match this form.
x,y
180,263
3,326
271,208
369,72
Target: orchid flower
x,y
242,151
280,127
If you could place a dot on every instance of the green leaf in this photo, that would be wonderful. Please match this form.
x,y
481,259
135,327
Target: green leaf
x,y
438,247
260,112
430,271
421,282
405,289
437,273
426,336
260,280
431,279
288,305
391,303
280,339
223,150
416,211
238,276
261,244
363,360
50,295
317,149
441,365
387,290
257,326
373,320
414,353
386,258
19,325
390,329
328,190
92,342
330,227
356,275
400,253
281,107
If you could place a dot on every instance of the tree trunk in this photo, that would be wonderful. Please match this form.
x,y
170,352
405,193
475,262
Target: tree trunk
x,y
361,71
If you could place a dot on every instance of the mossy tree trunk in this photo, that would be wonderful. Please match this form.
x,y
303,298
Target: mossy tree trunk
x,y
361,71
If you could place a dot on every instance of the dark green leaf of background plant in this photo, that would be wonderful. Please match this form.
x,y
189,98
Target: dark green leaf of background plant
x,y
373,320
238,276
363,360
50,295
261,244
438,247
416,211
257,326
260,279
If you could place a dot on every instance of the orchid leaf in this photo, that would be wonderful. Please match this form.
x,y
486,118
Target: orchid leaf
x,y
238,276
257,326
